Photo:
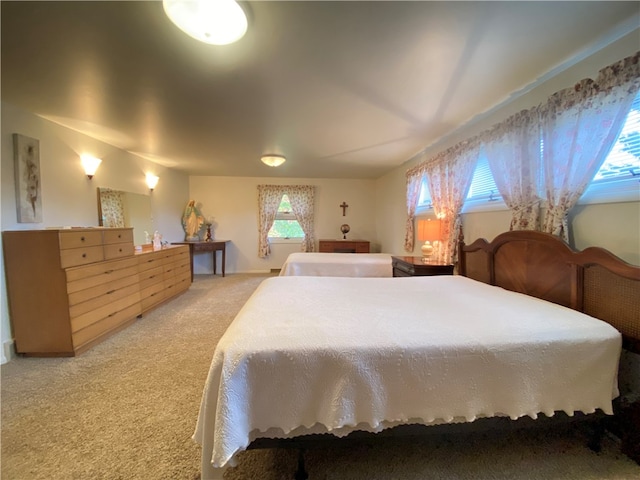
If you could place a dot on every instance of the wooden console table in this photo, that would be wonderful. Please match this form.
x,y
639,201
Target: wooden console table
x,y
212,246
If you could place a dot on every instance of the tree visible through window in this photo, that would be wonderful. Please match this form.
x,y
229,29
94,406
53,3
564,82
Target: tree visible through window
x,y
285,224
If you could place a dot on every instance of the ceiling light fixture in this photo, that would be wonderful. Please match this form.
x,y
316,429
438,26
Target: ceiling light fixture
x,y
217,22
273,160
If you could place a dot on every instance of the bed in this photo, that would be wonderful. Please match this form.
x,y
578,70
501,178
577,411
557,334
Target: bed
x,y
338,264
506,338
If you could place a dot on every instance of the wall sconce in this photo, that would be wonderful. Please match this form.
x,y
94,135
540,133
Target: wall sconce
x,y
90,165
428,231
152,181
273,160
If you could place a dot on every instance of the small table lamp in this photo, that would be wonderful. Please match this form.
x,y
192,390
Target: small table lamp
x,y
428,231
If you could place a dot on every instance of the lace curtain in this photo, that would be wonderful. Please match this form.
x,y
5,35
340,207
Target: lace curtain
x,y
414,182
513,152
579,126
302,198
302,203
449,175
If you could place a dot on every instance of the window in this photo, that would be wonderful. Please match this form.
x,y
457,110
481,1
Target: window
x,y
483,187
285,225
482,190
617,179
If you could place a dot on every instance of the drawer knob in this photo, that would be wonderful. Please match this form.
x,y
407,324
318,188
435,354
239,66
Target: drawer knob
x,y
82,239
108,272
84,255
110,292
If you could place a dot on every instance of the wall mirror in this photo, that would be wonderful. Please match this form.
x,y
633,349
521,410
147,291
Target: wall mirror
x,y
117,208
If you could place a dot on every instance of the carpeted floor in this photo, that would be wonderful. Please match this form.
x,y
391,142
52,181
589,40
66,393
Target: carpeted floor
x,y
127,408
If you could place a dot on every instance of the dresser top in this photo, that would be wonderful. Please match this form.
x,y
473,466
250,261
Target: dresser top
x,y
69,229
342,240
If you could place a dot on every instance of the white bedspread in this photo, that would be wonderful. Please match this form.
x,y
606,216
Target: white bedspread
x,y
338,264
313,354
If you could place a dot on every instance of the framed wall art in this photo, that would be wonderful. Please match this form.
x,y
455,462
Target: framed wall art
x,y
26,152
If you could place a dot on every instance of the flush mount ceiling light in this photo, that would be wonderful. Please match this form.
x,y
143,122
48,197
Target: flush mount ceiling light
x,y
273,160
217,22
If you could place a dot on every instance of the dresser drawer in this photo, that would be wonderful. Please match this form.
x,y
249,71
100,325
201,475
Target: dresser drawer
x,y
118,250
151,295
173,265
118,235
177,284
74,257
78,239
104,288
107,298
105,325
92,275
151,277
343,246
105,311
150,260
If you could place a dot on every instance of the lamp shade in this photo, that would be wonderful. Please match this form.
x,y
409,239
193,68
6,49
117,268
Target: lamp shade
x,y
152,180
90,164
428,230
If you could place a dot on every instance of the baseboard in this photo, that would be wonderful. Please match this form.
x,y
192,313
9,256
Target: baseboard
x,y
7,352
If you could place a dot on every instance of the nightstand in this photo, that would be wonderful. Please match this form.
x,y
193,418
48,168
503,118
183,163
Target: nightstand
x,y
416,267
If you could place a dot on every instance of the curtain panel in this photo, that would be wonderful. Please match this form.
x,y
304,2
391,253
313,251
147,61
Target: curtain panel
x,y
449,175
579,126
302,198
414,182
513,153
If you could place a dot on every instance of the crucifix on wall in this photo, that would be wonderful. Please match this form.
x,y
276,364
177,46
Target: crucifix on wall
x,y
344,208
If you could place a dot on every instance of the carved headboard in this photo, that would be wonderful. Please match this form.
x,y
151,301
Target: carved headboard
x,y
593,281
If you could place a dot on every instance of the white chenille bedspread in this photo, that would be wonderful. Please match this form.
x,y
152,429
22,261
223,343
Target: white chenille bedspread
x,y
317,354
338,264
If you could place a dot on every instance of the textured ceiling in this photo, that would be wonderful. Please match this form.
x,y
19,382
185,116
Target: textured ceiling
x,y
342,89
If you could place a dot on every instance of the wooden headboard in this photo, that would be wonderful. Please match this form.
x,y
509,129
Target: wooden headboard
x,y
593,281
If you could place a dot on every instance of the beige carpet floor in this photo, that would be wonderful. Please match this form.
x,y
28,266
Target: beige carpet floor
x,y
127,408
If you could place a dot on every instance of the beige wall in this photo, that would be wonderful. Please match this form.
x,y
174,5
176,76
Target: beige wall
x,y
233,201
68,197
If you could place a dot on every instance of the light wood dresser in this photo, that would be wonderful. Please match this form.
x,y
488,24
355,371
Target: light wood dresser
x,y
69,289
163,274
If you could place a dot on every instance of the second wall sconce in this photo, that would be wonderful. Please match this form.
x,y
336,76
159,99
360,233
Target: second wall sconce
x,y
90,165
152,181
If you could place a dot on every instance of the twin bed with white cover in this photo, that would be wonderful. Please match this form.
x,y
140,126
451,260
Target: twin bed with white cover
x,y
338,264
310,355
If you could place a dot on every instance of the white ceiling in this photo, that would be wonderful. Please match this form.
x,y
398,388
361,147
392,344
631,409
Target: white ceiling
x,y
342,89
